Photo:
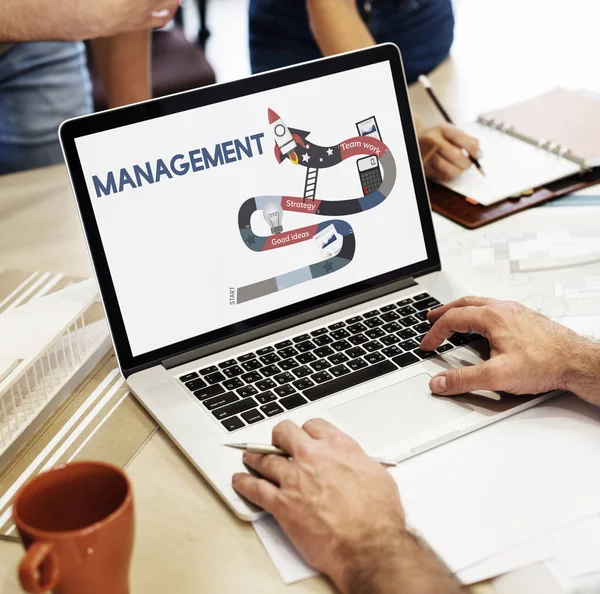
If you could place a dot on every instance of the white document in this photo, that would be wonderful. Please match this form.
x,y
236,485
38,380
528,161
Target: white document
x,y
511,167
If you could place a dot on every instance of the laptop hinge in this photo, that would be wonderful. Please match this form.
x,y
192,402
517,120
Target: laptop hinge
x,y
295,320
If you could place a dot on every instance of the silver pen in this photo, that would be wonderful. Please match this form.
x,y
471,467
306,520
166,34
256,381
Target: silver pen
x,y
258,448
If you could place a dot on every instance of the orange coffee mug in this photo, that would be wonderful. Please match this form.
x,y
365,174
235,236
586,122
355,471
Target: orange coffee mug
x,y
76,522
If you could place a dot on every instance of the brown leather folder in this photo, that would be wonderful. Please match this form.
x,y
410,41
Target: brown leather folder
x,y
454,206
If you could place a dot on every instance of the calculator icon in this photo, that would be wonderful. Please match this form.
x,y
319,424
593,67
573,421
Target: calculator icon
x,y
369,173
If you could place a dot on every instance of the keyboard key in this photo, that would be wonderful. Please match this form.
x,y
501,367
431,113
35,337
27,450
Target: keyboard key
x,y
284,390
338,358
265,350
426,304
445,347
409,345
288,352
390,316
304,383
372,346
421,315
265,384
419,338
341,345
408,321
358,339
422,296
306,358
266,397
252,416
374,322
458,340
404,302
246,357
371,314
232,423
233,384
319,332
336,326
247,391
195,384
391,351
357,364
406,334
305,346
284,378
389,340
387,308
339,370
188,377
320,364
289,364
375,333
407,310
227,363
283,345
270,370
233,371
252,377
350,380
324,351
425,354
235,408
215,378
251,365
392,327
473,336
221,400
356,328
321,377
355,352
323,340
339,334
208,370
354,319
209,392
405,359
301,338
271,409
423,327
293,401
270,358
302,371
374,358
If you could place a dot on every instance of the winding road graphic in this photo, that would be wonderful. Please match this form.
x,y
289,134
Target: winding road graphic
x,y
293,145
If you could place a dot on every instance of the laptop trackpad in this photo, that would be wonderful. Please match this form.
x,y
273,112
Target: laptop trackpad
x,y
382,418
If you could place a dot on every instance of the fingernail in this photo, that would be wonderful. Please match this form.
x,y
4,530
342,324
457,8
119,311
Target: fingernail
x,y
235,478
438,384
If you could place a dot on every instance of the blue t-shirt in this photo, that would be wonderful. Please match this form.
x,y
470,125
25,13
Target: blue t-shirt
x,y
280,34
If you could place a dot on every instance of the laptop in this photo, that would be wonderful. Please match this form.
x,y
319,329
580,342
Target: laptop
x,y
265,251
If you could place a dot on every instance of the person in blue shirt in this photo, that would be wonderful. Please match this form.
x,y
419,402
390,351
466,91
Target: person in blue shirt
x,y
286,32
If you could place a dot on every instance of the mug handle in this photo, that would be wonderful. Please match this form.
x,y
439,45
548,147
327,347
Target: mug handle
x,y
38,571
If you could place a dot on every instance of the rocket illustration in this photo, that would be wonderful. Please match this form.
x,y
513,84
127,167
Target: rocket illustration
x,y
285,142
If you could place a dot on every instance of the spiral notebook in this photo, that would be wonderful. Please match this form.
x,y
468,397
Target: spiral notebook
x,y
530,144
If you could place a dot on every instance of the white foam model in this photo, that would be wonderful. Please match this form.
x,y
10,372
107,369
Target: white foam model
x,y
46,349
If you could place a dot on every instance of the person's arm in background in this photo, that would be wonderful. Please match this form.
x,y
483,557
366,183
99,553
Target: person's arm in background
x,y
343,513
123,62
338,27
76,20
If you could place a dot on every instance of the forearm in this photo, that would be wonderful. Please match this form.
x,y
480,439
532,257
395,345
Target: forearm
x,y
582,375
401,563
36,20
123,63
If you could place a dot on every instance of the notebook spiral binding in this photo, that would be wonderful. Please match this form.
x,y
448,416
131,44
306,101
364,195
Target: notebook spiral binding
x,y
543,143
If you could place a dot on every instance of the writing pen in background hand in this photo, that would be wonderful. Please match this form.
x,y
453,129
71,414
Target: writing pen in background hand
x,y
257,448
427,86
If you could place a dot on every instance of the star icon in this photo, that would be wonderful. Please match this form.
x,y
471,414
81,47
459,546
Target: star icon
x,y
329,152
308,147
320,159
305,157
251,239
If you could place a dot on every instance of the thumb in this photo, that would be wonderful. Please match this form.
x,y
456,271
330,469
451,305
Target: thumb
x,y
464,379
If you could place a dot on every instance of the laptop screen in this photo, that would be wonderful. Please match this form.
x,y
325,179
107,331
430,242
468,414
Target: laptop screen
x,y
218,214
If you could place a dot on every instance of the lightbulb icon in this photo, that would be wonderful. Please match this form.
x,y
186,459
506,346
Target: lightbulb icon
x,y
273,214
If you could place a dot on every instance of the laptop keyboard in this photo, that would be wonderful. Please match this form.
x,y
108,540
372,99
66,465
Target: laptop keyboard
x,y
275,379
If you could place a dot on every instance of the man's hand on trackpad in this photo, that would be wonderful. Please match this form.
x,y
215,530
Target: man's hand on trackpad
x,y
529,353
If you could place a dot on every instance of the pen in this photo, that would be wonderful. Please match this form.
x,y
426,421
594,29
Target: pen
x,y
257,448
427,86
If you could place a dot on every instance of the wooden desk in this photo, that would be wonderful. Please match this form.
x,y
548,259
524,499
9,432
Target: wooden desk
x,y
186,539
